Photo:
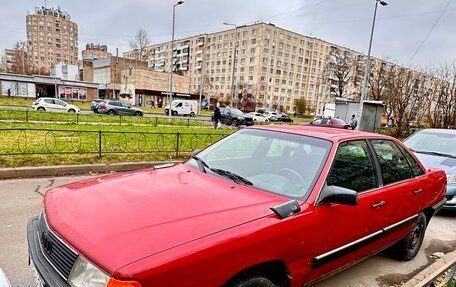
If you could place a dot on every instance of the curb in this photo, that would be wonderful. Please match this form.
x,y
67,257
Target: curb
x,y
433,271
61,170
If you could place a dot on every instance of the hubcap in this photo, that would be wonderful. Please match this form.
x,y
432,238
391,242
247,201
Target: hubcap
x,y
415,237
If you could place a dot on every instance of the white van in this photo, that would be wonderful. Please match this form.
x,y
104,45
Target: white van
x,y
183,108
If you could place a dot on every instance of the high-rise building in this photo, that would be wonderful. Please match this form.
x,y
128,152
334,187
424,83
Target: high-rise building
x,y
277,66
51,38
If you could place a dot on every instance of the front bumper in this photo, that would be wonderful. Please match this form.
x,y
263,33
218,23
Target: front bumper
x,y
47,273
451,198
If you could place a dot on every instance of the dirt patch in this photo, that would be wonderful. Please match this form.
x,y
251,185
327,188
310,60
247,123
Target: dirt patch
x,y
397,279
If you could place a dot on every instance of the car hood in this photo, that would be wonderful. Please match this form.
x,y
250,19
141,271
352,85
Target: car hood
x,y
447,164
118,219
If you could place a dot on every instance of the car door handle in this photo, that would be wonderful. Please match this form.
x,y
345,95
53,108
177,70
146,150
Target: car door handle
x,y
418,191
378,205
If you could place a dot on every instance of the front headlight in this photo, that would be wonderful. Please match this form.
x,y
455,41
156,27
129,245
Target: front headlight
x,y
451,178
85,274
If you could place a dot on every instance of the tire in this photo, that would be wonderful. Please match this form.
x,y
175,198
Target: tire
x,y
256,281
111,112
192,114
71,111
41,109
234,123
138,114
175,113
409,246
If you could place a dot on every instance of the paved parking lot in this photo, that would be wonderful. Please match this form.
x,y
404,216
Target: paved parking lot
x,y
20,199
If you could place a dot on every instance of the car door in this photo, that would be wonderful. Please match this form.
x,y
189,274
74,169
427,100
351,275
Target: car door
x,y
400,198
225,116
344,231
60,106
127,110
49,105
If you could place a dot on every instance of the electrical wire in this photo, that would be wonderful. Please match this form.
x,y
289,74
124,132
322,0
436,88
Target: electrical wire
x,y
430,32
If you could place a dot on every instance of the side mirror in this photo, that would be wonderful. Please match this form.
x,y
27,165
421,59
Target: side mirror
x,y
196,152
337,194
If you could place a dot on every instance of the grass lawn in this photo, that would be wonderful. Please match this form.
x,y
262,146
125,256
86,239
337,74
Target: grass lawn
x,y
79,144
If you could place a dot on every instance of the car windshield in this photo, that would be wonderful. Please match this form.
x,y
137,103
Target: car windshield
x,y
433,142
280,163
236,112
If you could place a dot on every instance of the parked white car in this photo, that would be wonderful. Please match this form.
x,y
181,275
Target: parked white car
x,y
3,279
54,105
257,117
183,108
269,114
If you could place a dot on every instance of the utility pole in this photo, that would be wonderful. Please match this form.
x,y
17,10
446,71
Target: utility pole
x,y
113,80
202,79
367,68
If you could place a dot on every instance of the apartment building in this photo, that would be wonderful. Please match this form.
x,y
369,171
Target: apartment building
x,y
277,66
51,38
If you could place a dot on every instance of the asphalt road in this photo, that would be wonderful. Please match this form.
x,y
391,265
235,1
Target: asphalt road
x,y
21,199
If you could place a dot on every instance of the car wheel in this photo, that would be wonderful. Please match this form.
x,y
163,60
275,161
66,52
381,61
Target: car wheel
x,y
41,109
234,123
138,114
253,282
192,114
408,247
71,111
174,113
111,112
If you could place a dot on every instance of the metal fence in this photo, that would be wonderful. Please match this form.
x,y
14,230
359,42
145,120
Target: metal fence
x,y
27,116
16,142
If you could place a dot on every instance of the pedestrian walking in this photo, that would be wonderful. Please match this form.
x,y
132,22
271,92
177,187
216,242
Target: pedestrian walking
x,y
217,115
353,122
9,92
390,122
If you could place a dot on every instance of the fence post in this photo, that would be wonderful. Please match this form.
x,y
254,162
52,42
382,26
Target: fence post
x,y
120,120
77,118
156,121
99,143
188,123
177,144
26,116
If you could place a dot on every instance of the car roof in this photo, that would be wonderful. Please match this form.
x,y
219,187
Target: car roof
x,y
327,133
440,131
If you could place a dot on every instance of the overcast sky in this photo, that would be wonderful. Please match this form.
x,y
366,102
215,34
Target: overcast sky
x,y
401,26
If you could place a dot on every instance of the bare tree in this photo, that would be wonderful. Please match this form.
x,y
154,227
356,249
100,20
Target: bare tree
x,y
3,64
140,43
22,62
338,72
248,98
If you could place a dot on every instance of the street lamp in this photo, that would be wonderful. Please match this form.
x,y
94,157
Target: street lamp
x,y
202,79
233,60
368,62
171,63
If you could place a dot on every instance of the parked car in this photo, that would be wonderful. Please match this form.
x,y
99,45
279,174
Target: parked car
x,y
183,108
258,117
265,207
436,148
119,108
234,117
284,118
4,282
54,105
95,105
329,122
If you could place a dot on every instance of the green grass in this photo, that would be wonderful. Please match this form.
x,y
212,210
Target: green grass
x,y
34,144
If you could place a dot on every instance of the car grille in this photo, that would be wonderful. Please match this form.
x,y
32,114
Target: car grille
x,y
59,255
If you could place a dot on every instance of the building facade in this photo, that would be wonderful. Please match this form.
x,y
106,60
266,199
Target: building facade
x,y
51,38
95,51
274,65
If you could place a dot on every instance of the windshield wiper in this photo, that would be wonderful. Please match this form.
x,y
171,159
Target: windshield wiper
x,y
201,164
235,177
434,153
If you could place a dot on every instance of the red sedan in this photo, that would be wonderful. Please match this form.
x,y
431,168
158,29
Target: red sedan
x,y
268,206
330,123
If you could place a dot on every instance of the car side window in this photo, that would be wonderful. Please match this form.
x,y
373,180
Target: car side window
x,y
49,101
393,165
416,168
353,167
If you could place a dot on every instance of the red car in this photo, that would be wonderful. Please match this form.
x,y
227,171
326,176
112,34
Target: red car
x,y
267,206
330,123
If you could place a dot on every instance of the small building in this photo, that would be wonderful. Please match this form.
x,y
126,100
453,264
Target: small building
x,y
96,51
44,86
151,88
344,109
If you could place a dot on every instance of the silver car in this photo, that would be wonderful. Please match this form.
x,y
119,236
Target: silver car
x,y
118,108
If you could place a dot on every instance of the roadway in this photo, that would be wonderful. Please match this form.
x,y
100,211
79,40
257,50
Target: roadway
x,y
21,199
